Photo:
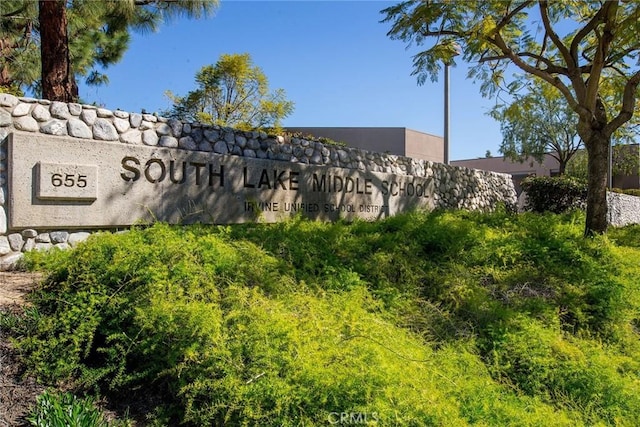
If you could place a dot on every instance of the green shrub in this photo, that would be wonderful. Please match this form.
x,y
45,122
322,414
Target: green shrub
x,y
626,236
540,360
90,308
435,318
12,90
459,270
53,409
322,139
554,194
628,191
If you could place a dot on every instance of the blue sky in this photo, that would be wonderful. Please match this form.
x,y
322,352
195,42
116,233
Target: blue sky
x,y
332,58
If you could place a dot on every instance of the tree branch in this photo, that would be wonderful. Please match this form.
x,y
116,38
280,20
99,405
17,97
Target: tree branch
x,y
566,55
15,12
499,42
508,17
573,71
618,56
628,104
584,31
604,41
543,48
431,33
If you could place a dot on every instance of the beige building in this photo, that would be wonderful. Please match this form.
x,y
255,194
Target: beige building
x,y
518,171
393,140
549,167
419,145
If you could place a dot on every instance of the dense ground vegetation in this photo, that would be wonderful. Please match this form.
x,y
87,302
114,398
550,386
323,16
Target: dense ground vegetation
x,y
422,319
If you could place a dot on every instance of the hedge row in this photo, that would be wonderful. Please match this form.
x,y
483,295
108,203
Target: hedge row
x,y
554,194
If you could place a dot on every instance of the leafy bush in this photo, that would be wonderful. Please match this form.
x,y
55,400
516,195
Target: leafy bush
x,y
421,319
628,191
554,194
540,360
307,136
451,260
99,297
65,409
626,236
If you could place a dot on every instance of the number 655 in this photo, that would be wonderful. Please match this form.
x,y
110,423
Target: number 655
x,y
68,180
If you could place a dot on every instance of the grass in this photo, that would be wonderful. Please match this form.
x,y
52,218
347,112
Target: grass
x,y
443,318
54,409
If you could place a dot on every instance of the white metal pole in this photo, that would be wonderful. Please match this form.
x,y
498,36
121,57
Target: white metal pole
x,y
446,113
611,165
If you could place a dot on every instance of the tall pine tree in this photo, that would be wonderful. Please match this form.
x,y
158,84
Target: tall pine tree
x,y
76,37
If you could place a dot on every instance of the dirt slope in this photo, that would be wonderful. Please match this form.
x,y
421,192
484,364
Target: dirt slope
x,y
17,394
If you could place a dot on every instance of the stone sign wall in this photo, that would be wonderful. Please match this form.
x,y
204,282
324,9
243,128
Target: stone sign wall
x,y
68,169
623,209
62,182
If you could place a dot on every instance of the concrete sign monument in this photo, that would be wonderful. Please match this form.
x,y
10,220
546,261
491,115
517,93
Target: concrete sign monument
x,y
76,183
67,169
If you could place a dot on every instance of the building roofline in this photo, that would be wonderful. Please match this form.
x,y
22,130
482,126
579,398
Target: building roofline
x,y
366,128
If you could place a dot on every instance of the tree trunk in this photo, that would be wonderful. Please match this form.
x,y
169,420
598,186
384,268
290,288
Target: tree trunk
x,y
58,83
562,167
4,72
598,160
5,81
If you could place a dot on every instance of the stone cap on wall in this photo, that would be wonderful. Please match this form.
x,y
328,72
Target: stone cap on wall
x,y
91,122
